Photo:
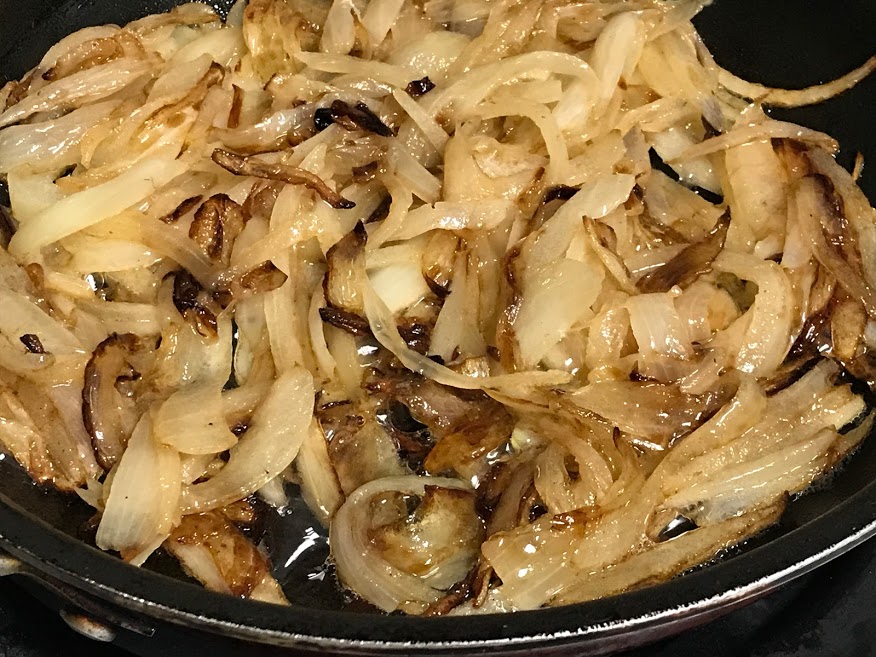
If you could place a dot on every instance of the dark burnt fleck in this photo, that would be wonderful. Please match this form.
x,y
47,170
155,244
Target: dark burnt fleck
x,y
322,118
7,226
635,375
185,291
536,511
438,289
413,439
236,106
559,193
334,404
193,304
32,343
182,209
381,211
359,116
638,193
417,88
709,130
344,320
399,416
417,336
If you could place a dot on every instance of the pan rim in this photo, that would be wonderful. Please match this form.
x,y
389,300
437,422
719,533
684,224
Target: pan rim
x,y
706,591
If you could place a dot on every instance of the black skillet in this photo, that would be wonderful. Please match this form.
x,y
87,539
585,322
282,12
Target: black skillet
x,y
156,611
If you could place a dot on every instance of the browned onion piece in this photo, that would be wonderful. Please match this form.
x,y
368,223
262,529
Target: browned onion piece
x,y
651,410
693,261
109,417
360,450
241,165
444,528
260,201
847,325
17,90
217,223
264,278
215,552
346,264
87,54
815,208
438,259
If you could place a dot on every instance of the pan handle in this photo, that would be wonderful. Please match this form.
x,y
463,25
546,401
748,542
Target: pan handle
x,y
85,614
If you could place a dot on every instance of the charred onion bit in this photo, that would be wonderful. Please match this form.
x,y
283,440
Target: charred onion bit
x,y
693,261
193,303
241,165
216,225
106,414
32,343
417,88
358,117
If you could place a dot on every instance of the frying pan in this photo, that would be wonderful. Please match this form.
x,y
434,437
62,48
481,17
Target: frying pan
x,y
158,611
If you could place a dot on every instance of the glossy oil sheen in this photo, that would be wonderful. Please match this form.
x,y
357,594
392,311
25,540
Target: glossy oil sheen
x,y
783,43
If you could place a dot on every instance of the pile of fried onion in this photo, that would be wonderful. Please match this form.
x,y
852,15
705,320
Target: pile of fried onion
x,y
529,298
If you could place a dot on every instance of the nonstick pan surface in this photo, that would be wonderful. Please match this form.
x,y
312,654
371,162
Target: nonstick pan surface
x,y
781,43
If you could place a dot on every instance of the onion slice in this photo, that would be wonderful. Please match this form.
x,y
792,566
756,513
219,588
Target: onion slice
x,y
380,583
279,426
